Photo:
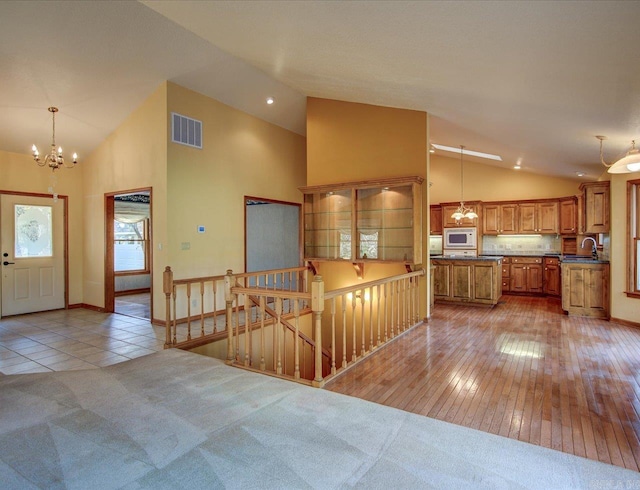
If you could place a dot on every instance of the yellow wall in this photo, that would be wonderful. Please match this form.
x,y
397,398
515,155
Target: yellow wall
x,y
20,173
133,156
489,183
241,155
621,307
347,142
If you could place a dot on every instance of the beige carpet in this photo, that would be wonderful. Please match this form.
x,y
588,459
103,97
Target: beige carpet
x,y
179,420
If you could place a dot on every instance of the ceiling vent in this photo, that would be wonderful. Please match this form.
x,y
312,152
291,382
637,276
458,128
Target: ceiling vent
x,y
186,131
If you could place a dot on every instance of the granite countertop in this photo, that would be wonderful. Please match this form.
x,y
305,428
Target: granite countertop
x,y
578,259
484,258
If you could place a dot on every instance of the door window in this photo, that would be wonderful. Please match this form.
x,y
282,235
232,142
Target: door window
x,y
33,232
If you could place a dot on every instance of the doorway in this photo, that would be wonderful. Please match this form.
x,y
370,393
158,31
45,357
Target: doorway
x,y
128,264
33,243
272,234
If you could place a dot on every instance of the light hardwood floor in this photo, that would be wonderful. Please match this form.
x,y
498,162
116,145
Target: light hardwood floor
x,y
522,370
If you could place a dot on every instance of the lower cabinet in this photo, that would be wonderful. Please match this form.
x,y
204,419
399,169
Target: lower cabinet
x,y
552,281
526,275
585,289
468,281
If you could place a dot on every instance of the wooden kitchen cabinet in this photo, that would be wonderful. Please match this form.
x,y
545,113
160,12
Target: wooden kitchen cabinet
x,y
467,280
585,289
552,282
538,217
506,274
499,218
596,206
526,275
435,213
569,216
449,208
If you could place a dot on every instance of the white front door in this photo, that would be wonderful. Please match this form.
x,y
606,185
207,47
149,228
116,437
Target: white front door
x,y
32,248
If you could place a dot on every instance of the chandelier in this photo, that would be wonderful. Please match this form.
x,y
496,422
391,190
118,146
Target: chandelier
x,y
54,158
463,211
627,164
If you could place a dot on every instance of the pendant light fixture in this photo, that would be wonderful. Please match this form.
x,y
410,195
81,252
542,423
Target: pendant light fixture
x,y
462,211
54,158
627,164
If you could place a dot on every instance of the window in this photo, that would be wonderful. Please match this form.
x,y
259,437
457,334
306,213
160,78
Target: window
x,y
633,199
33,232
131,247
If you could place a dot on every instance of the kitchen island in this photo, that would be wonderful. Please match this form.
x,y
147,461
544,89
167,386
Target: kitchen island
x,y
468,280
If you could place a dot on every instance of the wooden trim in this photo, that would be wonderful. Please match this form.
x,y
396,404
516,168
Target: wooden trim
x,y
65,231
109,235
131,273
632,263
86,306
128,292
632,294
109,273
362,184
626,323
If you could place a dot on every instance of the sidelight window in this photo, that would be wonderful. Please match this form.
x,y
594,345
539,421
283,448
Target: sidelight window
x,y
633,198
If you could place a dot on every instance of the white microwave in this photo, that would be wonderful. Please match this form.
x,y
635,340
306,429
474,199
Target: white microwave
x,y
460,238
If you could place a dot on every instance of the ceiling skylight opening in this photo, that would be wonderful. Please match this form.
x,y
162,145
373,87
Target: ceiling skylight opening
x,y
472,153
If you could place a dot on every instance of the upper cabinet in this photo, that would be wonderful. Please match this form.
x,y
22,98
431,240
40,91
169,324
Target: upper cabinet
x,y
499,219
538,217
435,220
377,220
569,215
596,206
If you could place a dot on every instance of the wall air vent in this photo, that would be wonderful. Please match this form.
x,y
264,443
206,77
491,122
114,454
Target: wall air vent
x,y
186,131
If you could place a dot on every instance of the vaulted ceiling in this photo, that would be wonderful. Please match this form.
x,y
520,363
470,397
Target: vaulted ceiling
x,y
532,81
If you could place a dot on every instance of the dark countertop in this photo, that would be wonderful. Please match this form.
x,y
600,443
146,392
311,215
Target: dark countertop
x,y
481,258
566,259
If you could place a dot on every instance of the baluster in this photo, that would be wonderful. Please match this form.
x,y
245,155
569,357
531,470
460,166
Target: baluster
x,y
202,308
386,323
247,331
214,288
228,316
418,300
167,287
188,311
344,330
371,343
304,358
362,332
296,343
378,312
391,317
262,315
398,307
278,328
353,325
237,322
175,316
405,305
333,336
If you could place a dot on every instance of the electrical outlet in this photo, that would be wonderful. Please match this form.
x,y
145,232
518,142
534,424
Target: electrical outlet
x,y
185,246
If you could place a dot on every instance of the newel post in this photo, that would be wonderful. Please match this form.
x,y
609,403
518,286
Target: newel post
x,y
228,298
167,288
317,306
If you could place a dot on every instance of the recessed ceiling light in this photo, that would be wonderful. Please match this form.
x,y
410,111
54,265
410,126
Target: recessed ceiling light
x,y
270,100
468,152
517,167
580,174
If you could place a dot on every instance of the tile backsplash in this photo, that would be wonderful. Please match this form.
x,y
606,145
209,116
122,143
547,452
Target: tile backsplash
x,y
521,244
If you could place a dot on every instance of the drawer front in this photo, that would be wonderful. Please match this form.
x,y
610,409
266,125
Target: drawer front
x,y
526,260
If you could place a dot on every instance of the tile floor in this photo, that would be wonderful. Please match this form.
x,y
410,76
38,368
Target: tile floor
x,y
65,340
137,305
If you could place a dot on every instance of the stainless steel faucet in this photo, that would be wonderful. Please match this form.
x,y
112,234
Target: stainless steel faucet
x,y
594,250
